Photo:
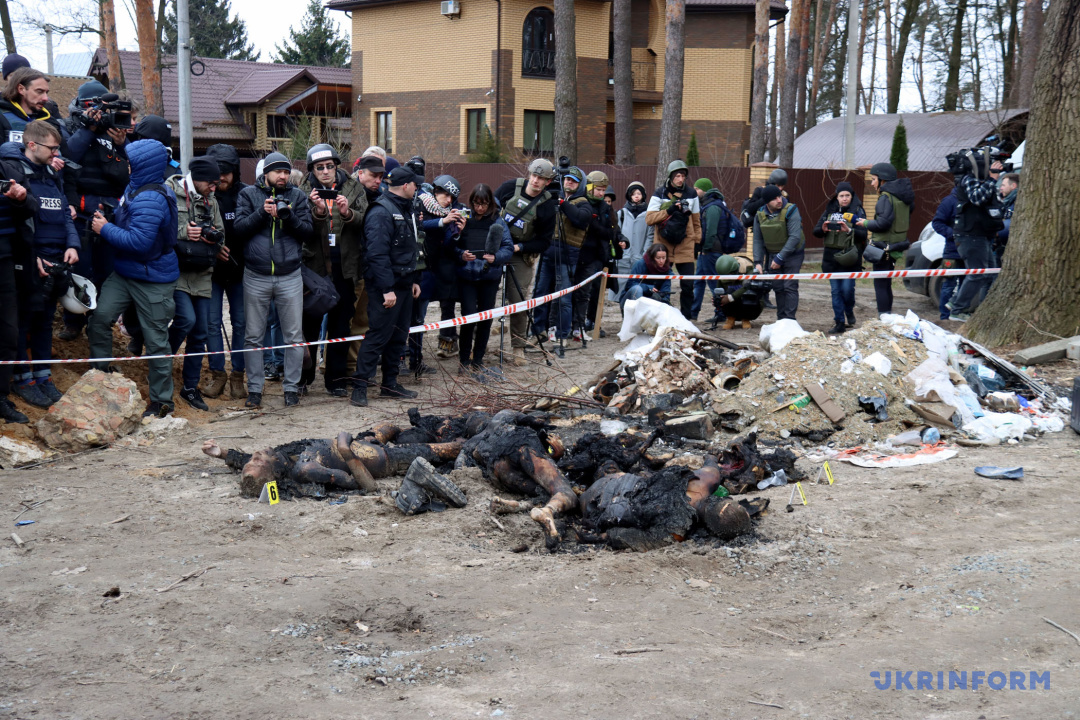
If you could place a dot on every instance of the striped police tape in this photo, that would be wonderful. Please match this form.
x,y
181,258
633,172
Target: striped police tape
x,y
875,274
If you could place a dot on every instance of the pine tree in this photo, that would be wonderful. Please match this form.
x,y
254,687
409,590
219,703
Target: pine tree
x,y
693,158
213,34
899,155
317,41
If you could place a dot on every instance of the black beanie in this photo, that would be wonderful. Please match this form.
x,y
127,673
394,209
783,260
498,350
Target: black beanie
x,y
276,161
204,169
770,193
885,171
844,187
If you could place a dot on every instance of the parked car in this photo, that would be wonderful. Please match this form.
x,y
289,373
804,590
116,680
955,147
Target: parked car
x,y
925,253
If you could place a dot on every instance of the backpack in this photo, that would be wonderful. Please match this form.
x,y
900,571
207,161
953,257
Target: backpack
x,y
735,240
750,206
320,295
673,229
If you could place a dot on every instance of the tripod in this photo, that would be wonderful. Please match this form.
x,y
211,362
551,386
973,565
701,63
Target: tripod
x,y
510,276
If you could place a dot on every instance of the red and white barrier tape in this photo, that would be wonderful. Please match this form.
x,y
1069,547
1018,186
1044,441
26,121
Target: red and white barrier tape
x,y
466,320
823,276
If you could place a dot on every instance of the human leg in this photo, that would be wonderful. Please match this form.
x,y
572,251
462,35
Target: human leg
x,y
519,322
235,294
114,296
399,338
289,298
183,321
636,292
339,321
467,333
546,276
977,252
787,291
581,295
258,292
686,288
487,291
375,341
706,265
196,341
156,307
215,339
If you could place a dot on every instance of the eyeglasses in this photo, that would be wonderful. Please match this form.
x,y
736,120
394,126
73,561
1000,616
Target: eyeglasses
x,y
54,149
324,167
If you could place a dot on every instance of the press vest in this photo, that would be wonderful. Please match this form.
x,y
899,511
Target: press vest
x,y
901,222
474,236
569,234
836,240
774,228
18,123
522,229
972,220
403,247
50,222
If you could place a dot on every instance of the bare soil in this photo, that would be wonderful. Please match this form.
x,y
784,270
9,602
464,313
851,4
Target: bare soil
x,y
312,610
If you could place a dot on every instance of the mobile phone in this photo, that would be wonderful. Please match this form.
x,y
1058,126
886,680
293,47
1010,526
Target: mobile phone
x,y
832,226
327,193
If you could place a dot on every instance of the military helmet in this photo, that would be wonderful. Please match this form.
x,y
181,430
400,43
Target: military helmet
x,y
597,178
542,167
322,151
675,165
727,265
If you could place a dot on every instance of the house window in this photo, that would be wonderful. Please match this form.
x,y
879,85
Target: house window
x,y
539,132
538,44
384,130
280,126
477,126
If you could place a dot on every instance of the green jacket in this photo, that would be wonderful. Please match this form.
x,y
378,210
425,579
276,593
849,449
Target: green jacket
x,y
347,234
196,283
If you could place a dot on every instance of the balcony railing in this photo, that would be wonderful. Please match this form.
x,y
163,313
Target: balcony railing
x,y
642,71
538,63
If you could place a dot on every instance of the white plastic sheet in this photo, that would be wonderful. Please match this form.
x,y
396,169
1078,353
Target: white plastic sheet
x,y
778,334
647,316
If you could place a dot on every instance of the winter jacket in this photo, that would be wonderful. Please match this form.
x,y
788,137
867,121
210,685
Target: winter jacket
x,y
715,222
231,271
543,228
195,283
13,120
390,245
54,230
828,264
885,215
943,224
16,218
104,171
657,213
348,245
479,270
273,246
795,240
144,231
662,286
635,231
442,259
601,235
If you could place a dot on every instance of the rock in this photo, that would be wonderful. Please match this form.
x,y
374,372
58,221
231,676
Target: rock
x,y
17,452
696,426
661,401
97,410
1047,352
1073,350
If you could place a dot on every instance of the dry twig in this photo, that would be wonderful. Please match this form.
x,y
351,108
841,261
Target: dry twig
x,y
1070,632
187,577
754,702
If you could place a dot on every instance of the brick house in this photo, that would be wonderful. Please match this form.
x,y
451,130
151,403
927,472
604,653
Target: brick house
x,y
428,76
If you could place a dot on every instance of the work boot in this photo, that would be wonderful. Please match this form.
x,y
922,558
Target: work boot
x,y
158,410
215,384
411,498
67,335
851,320
254,400
729,324
838,329
447,348
518,358
396,390
237,386
359,396
48,389
338,392
193,398
10,413
292,399
32,394
746,325
423,369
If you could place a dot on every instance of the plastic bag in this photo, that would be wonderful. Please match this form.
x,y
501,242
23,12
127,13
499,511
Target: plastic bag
x,y
1003,426
879,362
931,382
647,316
775,336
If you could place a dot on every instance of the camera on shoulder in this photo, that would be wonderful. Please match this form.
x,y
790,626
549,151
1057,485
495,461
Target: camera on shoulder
x,y
115,113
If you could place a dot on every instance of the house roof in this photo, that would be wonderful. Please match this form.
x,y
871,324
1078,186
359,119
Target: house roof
x,y
774,4
930,137
222,83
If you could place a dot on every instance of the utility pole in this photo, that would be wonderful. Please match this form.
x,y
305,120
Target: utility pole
x,y
183,74
48,48
852,83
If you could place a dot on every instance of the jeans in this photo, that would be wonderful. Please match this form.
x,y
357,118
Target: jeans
x,y
580,296
386,338
519,322
215,340
553,276
948,286
476,297
977,252
787,291
287,292
190,323
155,307
9,323
843,300
271,337
706,265
634,293
338,324
35,342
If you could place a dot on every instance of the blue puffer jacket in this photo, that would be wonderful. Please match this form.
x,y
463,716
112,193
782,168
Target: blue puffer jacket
x,y
144,233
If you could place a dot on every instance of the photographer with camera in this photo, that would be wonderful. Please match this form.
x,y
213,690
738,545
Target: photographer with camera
x,y
779,247
99,133
274,219
675,212
142,236
979,218
17,208
598,247
338,205
844,244
560,260
892,218
47,277
529,210
200,245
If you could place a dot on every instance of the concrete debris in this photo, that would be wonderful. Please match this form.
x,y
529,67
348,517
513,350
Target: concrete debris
x,y
15,452
97,410
1047,352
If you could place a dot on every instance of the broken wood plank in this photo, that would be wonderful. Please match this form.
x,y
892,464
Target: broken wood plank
x,y
636,651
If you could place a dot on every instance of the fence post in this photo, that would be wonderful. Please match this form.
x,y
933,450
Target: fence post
x,y
759,174
870,195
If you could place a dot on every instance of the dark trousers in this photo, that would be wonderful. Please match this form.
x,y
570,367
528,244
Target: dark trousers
x,y
686,288
584,269
190,323
787,291
948,286
387,337
338,325
446,312
9,322
35,343
977,252
553,275
883,293
476,297
416,340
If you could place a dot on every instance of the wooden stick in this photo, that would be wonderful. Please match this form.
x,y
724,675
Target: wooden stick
x,y
600,307
119,520
785,637
495,520
714,340
635,651
187,577
31,506
754,702
1070,632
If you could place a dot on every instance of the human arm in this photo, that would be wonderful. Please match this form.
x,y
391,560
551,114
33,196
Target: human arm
x,y
759,245
655,213
299,221
883,216
251,215
979,192
794,233
944,216
819,228
506,246
378,235
145,215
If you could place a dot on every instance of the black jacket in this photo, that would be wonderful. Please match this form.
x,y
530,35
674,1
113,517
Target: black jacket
x,y
390,244
227,273
600,236
883,212
545,219
16,218
104,172
856,209
272,247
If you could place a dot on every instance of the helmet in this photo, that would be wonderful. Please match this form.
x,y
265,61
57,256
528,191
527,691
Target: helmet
x,y
778,177
449,184
319,152
542,168
576,173
81,296
597,179
416,164
727,265
675,165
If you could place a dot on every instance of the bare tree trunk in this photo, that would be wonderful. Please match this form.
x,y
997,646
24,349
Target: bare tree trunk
x,y
1009,91
624,85
566,100
1030,44
952,81
888,12
804,48
976,59
761,81
671,123
822,49
791,87
840,75
112,50
1037,285
151,75
774,96
920,69
9,34
870,99
864,24
896,69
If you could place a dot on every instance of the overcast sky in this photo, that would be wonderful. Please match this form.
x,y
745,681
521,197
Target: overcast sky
x,y
268,23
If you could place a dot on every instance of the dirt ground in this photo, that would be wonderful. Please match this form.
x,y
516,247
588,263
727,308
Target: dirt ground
x,y
307,609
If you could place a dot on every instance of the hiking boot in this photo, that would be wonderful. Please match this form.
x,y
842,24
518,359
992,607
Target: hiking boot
x,y
68,334
215,384
32,394
254,400
292,399
729,324
193,397
10,413
423,369
396,390
838,329
518,357
359,396
48,389
447,348
746,325
237,386
851,320
158,410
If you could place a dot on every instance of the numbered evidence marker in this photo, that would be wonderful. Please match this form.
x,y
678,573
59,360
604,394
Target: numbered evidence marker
x,y
826,471
801,493
270,493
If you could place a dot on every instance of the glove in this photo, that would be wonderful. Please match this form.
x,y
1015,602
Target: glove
x,y
880,245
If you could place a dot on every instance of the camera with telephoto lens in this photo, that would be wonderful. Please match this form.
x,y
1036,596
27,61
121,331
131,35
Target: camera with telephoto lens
x,y
284,209
56,280
974,161
115,113
682,205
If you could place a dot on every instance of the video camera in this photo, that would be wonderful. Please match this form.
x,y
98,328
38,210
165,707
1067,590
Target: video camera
x,y
115,113
57,279
975,161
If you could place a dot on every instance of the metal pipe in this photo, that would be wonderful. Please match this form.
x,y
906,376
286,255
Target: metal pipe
x,y
183,74
853,84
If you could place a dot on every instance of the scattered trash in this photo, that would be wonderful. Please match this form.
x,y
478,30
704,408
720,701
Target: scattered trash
x,y
775,337
112,592
1000,473
881,364
908,437
931,436
20,523
1002,402
777,479
828,406
611,428
876,406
